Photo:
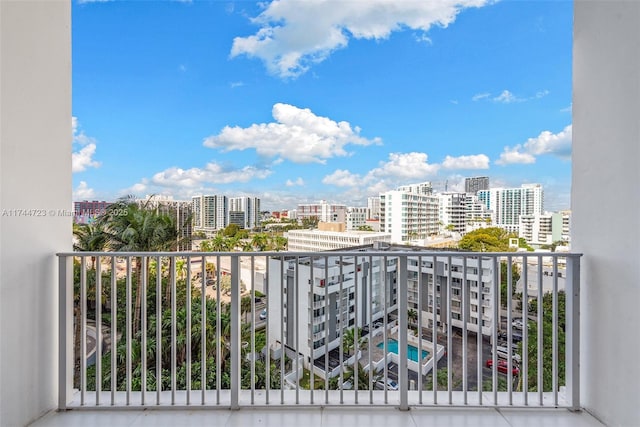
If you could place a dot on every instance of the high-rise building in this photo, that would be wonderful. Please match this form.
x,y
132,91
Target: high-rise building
x,y
541,229
409,213
356,217
476,214
210,213
244,211
475,184
507,204
373,203
323,212
452,212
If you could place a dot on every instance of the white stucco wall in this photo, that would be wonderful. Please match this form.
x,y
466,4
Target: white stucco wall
x,y
606,147
35,173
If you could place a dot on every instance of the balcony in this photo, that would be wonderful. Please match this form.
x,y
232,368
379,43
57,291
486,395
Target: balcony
x,y
220,351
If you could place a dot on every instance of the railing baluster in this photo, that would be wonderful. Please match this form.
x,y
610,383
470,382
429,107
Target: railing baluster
x,y
554,334
449,335
466,305
218,332
129,331
267,366
188,332
203,330
285,298
356,337
174,334
252,294
480,294
370,323
296,325
143,328
327,369
540,321
403,328
497,321
98,319
114,332
509,330
419,333
434,333
158,330
235,332
341,328
83,329
310,327
524,372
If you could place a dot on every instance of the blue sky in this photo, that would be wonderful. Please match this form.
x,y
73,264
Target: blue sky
x,y
298,101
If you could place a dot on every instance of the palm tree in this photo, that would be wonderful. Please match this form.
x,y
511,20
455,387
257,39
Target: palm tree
x,y
413,316
89,238
245,306
349,338
139,228
363,375
260,241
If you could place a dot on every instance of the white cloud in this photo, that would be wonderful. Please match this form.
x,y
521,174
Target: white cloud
x,y
476,161
298,182
558,144
82,158
212,173
342,178
400,168
83,192
294,35
297,135
506,97
479,96
236,84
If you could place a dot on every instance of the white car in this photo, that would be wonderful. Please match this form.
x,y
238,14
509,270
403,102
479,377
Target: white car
x,y
503,353
518,324
263,314
391,384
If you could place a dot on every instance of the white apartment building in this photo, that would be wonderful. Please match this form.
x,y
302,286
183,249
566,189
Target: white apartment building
x,y
476,214
244,211
329,297
373,203
507,204
471,281
452,212
325,298
323,211
420,188
319,240
209,213
356,217
541,229
566,226
409,213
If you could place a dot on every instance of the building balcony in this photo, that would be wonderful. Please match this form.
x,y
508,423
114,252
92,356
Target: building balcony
x,y
214,363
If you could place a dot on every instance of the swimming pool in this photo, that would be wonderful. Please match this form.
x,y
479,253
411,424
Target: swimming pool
x,y
412,351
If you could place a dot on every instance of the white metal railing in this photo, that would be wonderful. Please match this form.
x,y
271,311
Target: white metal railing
x,y
159,332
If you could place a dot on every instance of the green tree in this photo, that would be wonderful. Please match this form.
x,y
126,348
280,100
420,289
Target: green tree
x,y
351,371
349,340
365,228
139,228
492,239
231,230
413,317
515,276
90,238
547,343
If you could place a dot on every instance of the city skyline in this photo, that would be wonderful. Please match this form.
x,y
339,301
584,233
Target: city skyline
x,y
187,98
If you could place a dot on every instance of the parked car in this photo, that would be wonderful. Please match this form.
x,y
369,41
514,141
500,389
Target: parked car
x,y
391,384
263,314
517,323
503,353
503,367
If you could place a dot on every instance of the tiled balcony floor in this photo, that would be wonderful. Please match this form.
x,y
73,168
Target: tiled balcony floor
x,y
317,417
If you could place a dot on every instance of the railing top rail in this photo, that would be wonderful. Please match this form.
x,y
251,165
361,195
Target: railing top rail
x,y
345,253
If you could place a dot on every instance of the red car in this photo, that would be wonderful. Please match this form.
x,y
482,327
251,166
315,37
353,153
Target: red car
x,y
503,366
